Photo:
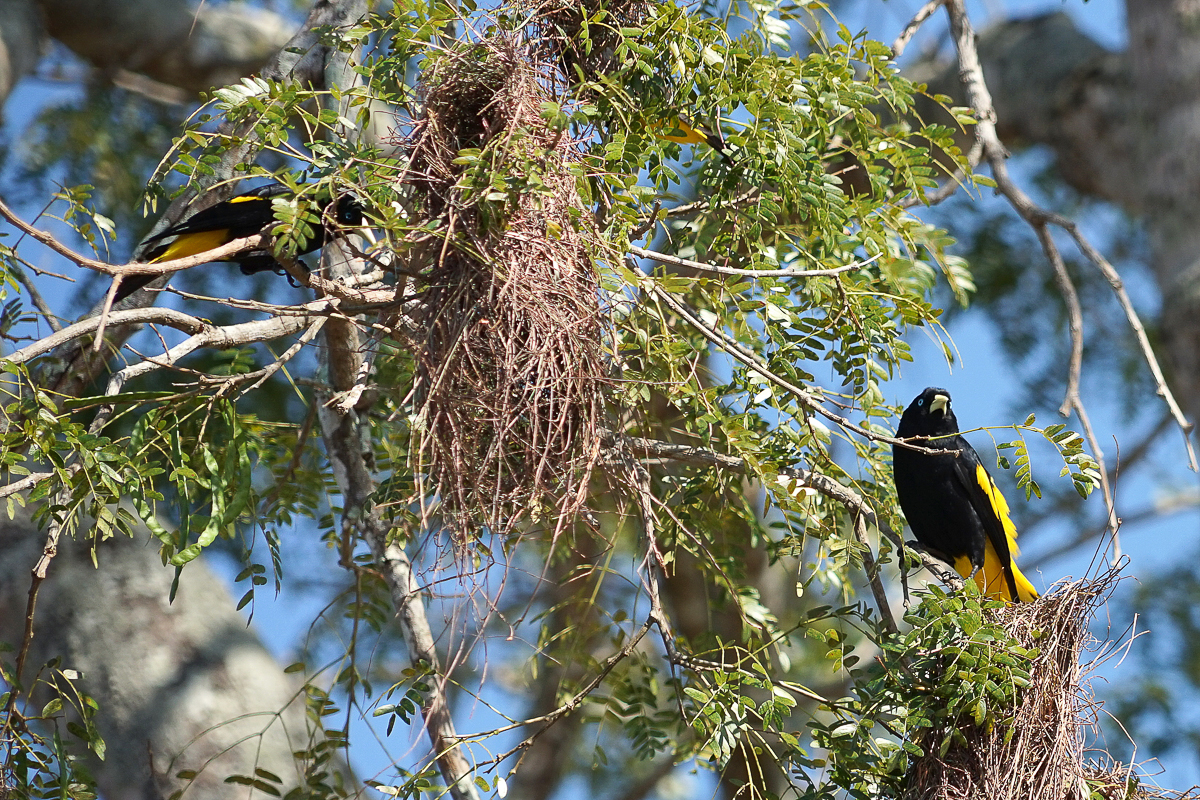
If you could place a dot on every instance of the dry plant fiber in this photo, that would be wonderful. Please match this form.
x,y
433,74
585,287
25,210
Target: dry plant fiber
x,y
511,371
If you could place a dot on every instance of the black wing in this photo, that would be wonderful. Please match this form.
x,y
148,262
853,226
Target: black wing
x,y
243,215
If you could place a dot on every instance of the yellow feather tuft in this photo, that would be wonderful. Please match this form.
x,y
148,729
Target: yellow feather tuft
x,y
990,579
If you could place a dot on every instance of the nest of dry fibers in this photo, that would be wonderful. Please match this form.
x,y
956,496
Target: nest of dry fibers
x,y
1041,755
511,371
583,35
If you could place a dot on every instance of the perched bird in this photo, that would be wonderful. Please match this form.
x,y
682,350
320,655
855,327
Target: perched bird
x,y
682,131
951,502
244,215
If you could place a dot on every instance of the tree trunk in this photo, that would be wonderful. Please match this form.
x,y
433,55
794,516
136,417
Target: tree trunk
x,y
177,683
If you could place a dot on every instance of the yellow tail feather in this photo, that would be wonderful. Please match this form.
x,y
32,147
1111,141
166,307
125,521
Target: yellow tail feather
x,y
991,580
190,244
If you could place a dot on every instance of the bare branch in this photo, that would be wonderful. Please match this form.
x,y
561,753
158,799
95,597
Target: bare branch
x,y
133,316
221,338
872,570
676,261
1073,401
925,12
28,482
257,241
980,99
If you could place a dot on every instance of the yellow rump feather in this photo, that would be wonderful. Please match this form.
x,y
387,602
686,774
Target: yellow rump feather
x,y
990,579
190,244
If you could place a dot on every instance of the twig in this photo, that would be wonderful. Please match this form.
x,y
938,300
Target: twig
x,y
569,706
39,302
925,12
38,575
1139,330
755,364
266,372
952,184
850,499
219,338
706,205
676,261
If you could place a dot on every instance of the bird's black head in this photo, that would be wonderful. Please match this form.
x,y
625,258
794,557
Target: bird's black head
x,y
929,414
349,211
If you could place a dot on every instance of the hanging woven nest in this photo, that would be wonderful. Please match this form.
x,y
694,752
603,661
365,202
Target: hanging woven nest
x,y
511,369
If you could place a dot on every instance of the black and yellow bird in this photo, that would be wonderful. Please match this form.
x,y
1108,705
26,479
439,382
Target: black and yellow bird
x,y
951,502
244,215
685,132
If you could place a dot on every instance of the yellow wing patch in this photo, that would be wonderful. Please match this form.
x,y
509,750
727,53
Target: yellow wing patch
x,y
680,131
1000,507
990,579
189,244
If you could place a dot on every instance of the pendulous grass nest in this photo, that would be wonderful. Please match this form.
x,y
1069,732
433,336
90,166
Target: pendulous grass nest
x,y
1040,756
511,370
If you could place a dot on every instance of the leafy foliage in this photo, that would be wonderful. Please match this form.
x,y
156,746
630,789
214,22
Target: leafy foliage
x,y
727,352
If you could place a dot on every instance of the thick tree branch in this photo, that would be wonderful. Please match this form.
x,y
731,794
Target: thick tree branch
x,y
172,41
133,316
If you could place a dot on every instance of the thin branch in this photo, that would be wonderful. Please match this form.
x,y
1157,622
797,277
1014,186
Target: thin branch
x,y
952,184
37,575
257,241
676,261
925,12
1072,401
1172,505
1139,330
706,205
266,372
39,302
352,461
872,570
980,100
752,361
850,499
574,703
219,338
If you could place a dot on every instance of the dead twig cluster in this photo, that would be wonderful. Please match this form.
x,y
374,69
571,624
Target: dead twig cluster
x,y
511,369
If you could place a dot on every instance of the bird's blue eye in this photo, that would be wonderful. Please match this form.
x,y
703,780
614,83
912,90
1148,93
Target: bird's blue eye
x,y
920,402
